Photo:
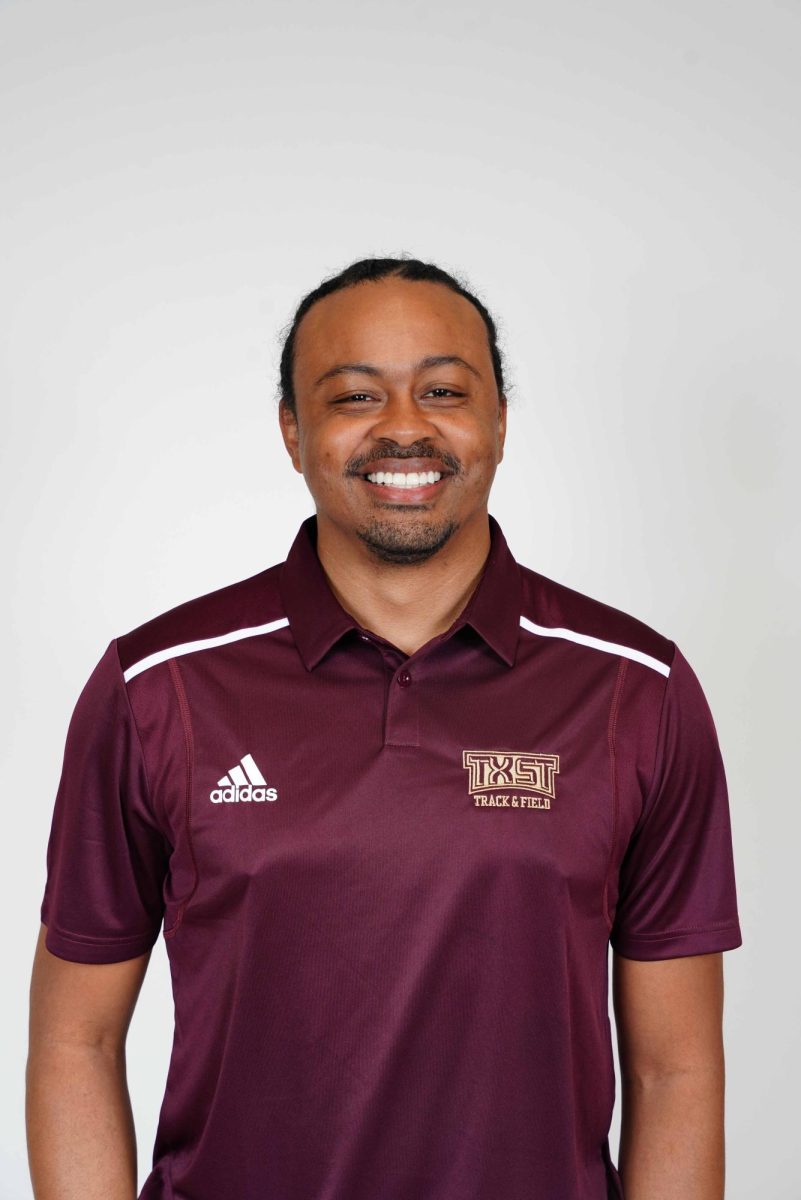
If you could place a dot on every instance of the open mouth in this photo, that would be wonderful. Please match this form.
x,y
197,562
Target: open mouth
x,y
411,481
415,478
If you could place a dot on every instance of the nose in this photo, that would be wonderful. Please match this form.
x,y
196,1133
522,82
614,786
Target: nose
x,y
403,419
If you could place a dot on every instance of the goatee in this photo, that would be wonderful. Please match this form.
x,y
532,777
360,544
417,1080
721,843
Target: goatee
x,y
407,543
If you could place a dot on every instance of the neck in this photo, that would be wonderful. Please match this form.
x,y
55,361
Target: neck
x,y
406,605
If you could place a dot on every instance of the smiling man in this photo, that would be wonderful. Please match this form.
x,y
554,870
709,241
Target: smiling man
x,y
391,801
393,410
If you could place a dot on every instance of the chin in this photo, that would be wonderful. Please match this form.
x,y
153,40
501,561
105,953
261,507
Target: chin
x,y
411,542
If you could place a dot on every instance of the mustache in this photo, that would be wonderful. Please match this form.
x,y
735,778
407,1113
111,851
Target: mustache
x,y
357,465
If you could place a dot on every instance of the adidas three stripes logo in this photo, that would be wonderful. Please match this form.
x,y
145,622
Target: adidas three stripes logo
x,y
244,783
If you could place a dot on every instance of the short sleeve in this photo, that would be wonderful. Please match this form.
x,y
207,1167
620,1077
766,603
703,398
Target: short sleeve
x,y
677,893
106,857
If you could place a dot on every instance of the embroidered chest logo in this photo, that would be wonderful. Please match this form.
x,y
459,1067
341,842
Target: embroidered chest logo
x,y
505,779
243,784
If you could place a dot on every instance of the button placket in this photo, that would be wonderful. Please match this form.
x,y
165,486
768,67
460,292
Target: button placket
x,y
402,723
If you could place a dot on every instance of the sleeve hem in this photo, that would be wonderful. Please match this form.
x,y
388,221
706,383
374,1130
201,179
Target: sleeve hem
x,y
680,944
76,948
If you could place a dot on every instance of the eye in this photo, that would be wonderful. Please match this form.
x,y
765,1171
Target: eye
x,y
354,396
440,393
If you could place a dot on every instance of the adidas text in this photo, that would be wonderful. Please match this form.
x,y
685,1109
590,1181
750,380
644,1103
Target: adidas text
x,y
233,795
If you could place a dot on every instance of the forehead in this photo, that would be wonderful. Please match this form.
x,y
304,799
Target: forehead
x,y
391,322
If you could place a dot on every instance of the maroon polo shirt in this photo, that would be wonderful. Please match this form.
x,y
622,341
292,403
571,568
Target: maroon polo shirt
x,y
388,883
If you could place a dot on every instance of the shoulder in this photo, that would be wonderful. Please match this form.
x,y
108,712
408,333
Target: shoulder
x,y
551,609
236,610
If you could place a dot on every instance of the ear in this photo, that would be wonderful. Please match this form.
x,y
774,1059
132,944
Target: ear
x,y
502,409
290,431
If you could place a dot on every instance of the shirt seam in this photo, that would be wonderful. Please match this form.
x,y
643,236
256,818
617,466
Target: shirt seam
x,y
186,723
89,940
716,926
156,812
612,744
658,742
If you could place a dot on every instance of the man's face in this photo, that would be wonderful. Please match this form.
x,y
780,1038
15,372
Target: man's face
x,y
370,398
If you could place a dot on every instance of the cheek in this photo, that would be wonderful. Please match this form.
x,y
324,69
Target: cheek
x,y
330,462
477,449
480,468
326,457
316,452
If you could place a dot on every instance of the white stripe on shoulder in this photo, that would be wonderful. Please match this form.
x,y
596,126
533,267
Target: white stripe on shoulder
x,y
222,639
584,639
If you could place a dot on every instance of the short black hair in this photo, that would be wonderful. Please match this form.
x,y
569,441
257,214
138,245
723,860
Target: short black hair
x,y
366,269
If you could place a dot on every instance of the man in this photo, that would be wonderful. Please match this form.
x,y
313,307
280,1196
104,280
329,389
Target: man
x,y
392,799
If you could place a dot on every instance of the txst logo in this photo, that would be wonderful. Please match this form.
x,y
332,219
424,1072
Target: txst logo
x,y
242,785
496,778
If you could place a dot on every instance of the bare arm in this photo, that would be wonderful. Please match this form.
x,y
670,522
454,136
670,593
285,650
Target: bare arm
x,y
81,1143
669,1018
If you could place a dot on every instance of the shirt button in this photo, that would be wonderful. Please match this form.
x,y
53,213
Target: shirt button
x,y
403,678
364,637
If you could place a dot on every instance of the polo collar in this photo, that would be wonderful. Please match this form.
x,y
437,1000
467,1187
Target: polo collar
x,y
318,620
495,606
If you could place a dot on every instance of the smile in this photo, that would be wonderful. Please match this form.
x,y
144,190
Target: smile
x,y
400,479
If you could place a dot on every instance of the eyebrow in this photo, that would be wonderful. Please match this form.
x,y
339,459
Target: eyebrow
x,y
433,360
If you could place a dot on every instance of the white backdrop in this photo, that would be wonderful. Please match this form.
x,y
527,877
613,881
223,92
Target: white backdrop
x,y
619,181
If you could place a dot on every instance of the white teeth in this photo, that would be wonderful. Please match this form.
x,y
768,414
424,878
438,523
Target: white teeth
x,y
398,479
